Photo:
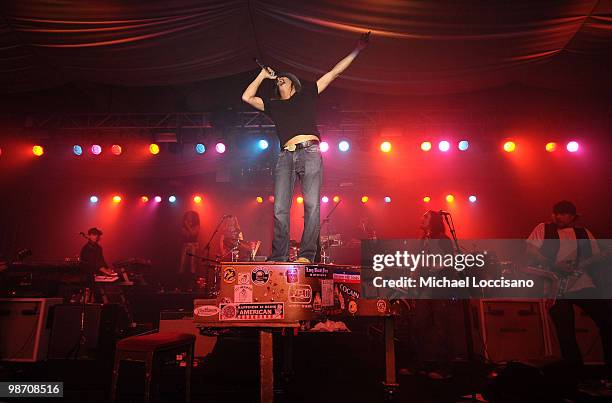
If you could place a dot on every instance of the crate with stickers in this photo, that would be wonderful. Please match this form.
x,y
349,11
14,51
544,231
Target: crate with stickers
x,y
252,293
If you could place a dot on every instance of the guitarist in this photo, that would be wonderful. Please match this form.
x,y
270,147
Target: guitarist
x,y
568,250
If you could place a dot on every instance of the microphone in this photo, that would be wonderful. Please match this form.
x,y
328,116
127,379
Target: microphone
x,y
263,66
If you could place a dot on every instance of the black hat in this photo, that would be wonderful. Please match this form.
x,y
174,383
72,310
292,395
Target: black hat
x,y
296,81
94,231
564,207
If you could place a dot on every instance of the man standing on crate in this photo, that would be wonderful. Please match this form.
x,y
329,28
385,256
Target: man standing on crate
x,y
293,112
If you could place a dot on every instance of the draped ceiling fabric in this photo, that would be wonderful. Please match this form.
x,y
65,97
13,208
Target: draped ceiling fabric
x,y
418,47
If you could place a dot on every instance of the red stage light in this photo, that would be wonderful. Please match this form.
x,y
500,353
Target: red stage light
x,y
116,199
444,146
154,149
271,199
336,199
116,149
197,199
509,146
144,199
550,147
364,199
38,151
450,198
426,199
300,199
157,199
259,199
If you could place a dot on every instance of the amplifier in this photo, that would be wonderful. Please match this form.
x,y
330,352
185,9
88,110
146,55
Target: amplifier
x,y
587,336
509,330
25,325
100,330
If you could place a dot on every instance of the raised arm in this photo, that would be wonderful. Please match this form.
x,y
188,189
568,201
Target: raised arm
x,y
249,94
343,64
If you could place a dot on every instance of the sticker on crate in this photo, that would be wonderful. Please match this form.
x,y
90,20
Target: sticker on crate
x,y
243,293
347,278
206,310
252,311
316,271
300,294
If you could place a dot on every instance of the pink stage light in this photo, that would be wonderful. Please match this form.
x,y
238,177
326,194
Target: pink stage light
x,y
573,146
220,148
324,146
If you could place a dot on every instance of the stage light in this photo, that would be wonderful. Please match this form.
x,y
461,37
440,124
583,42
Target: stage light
x,y
364,199
336,199
263,144
93,199
259,199
116,149
197,199
550,147
271,199
509,146
96,149
77,149
38,151
463,145
426,199
444,146
572,146
472,199
172,199
426,146
154,149
300,200
450,198
325,199
344,146
199,148
385,147
220,148
157,199
144,199
116,199
387,199
324,146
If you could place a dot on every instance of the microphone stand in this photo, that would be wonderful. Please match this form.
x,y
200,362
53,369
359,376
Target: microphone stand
x,y
326,220
208,259
469,337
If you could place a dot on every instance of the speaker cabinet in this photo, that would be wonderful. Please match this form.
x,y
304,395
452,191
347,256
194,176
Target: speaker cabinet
x,y
509,330
100,326
25,325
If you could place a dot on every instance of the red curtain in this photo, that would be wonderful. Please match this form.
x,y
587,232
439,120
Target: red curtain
x,y
418,47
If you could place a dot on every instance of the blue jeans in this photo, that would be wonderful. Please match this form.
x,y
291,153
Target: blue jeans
x,y
304,164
